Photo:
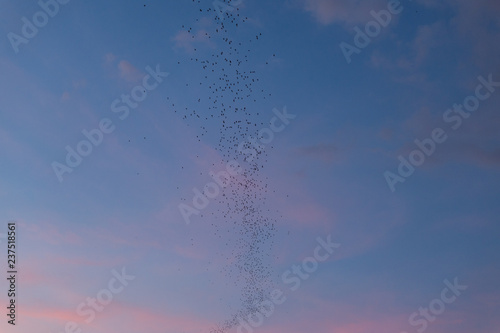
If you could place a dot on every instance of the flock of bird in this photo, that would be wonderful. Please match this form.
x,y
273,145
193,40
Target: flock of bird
x,y
233,87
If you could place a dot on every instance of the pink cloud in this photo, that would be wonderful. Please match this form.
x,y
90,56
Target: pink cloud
x,y
190,252
83,261
327,153
125,238
32,276
469,143
128,72
319,315
187,40
117,317
48,314
307,213
428,38
342,11
120,317
109,57
50,233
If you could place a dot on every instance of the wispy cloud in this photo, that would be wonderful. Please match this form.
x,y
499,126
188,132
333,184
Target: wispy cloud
x,y
325,152
341,11
128,72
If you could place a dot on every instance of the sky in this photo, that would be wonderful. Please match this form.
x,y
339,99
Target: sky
x,y
250,166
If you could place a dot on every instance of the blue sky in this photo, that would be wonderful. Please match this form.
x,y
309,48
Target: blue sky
x,y
323,174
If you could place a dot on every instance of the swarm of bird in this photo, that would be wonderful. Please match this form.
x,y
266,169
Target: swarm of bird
x,y
241,209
